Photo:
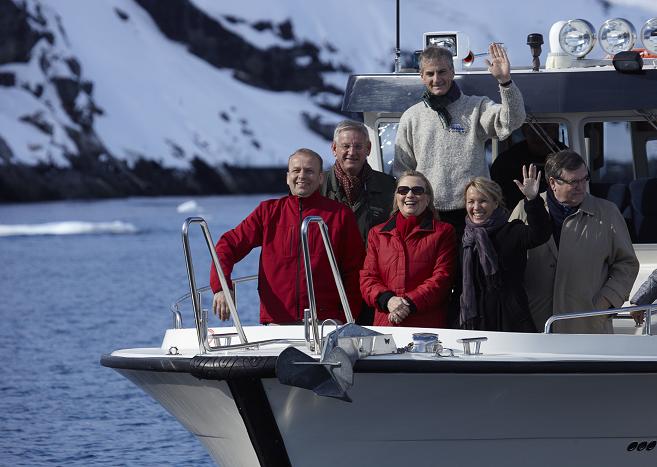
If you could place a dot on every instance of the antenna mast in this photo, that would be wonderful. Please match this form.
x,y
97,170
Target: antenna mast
x,y
397,49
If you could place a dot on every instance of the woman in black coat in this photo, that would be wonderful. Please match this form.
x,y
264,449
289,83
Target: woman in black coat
x,y
495,255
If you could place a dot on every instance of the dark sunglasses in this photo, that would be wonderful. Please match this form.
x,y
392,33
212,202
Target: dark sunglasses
x,y
417,190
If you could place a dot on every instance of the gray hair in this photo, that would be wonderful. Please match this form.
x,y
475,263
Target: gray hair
x,y
435,53
566,159
307,152
346,125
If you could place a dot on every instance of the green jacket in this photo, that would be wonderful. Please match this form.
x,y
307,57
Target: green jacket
x,y
374,204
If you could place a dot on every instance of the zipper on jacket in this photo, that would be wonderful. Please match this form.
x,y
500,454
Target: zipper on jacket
x,y
298,291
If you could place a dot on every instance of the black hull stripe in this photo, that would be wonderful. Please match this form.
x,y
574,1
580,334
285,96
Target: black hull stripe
x,y
228,368
253,405
243,378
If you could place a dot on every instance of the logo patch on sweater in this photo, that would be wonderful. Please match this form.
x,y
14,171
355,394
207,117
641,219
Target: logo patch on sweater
x,y
456,128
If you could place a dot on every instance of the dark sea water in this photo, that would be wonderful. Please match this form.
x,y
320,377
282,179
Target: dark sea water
x,y
69,298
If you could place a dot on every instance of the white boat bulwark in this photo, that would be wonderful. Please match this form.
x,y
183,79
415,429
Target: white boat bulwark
x,y
557,399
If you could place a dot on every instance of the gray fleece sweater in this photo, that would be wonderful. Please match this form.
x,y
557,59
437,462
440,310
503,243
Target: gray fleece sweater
x,y
450,157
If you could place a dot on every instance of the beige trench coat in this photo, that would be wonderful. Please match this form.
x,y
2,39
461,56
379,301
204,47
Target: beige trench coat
x,y
595,261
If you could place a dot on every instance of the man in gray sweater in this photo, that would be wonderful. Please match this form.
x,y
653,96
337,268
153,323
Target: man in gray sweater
x,y
443,136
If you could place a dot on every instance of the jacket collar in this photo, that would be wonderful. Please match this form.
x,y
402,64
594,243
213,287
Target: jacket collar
x,y
308,201
587,207
370,185
426,224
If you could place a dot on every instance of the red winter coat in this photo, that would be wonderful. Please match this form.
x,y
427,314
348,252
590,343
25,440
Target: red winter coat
x,y
276,226
421,268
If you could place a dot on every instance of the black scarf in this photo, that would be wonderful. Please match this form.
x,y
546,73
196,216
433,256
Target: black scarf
x,y
476,238
558,213
439,103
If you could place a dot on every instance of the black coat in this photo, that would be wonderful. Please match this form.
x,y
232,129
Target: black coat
x,y
374,205
502,303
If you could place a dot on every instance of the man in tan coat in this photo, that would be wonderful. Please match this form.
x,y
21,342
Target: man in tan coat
x,y
589,263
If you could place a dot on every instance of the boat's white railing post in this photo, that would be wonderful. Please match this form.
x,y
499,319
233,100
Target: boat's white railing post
x,y
201,324
648,317
647,309
240,280
313,337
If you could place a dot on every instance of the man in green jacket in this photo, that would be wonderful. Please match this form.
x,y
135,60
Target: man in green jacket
x,y
351,181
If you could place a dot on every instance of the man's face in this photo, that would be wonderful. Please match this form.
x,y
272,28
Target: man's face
x,y
303,175
570,187
351,150
437,76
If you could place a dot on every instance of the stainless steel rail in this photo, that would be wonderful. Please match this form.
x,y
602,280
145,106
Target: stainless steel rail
x,y
175,306
315,340
648,309
201,324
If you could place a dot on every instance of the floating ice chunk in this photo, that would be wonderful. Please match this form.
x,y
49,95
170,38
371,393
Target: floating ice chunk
x,y
189,206
67,228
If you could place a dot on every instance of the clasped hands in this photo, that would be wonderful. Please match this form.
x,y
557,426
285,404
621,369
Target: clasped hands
x,y
398,309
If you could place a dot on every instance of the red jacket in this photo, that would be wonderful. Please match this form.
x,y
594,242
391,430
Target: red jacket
x,y
276,226
421,268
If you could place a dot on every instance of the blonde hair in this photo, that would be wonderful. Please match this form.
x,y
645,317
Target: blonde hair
x,y
428,191
487,187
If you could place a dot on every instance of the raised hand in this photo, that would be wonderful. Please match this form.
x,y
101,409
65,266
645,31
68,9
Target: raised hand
x,y
498,65
531,182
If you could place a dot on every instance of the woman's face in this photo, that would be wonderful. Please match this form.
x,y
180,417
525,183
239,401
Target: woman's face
x,y
478,206
411,203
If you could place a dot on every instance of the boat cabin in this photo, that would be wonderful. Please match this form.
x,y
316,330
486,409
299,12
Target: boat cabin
x,y
606,110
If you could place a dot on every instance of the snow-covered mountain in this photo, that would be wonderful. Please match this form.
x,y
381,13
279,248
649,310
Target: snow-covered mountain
x,y
128,97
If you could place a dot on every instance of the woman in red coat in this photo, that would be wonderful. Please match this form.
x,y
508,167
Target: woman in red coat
x,y
411,259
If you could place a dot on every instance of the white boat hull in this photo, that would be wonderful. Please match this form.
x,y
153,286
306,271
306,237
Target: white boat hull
x,y
500,408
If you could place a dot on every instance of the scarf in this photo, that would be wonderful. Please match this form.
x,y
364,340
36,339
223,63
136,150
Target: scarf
x,y
352,186
440,103
476,239
558,213
405,225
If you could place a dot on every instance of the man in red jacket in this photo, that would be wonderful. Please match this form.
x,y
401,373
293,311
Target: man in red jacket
x,y
275,225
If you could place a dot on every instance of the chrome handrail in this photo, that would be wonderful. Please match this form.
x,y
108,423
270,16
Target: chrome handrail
x,y
239,280
201,324
316,344
647,330
175,306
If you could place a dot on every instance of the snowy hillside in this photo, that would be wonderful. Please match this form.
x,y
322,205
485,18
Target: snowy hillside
x,y
125,89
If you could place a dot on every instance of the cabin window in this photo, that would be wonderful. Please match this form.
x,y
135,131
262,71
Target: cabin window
x,y
609,148
651,153
387,135
620,151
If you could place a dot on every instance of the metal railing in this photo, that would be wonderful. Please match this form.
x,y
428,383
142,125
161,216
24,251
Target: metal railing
x,y
311,323
175,306
201,323
314,338
647,309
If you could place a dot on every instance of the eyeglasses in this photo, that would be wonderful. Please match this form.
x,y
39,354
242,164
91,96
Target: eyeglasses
x,y
355,147
417,190
561,181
